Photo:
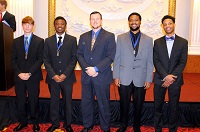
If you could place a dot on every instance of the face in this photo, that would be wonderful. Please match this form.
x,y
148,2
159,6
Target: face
x,y
60,26
28,28
169,26
134,23
95,21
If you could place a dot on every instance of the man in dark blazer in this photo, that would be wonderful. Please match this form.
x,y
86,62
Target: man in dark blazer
x,y
133,70
27,58
7,17
96,51
60,61
170,57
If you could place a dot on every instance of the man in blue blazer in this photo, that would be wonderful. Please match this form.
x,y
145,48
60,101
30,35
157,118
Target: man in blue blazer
x,y
133,70
7,17
27,58
60,61
170,57
96,51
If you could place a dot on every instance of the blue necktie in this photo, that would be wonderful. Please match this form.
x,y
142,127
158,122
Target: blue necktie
x,y
169,38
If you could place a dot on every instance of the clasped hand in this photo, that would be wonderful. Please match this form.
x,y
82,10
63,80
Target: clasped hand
x,y
91,72
168,80
24,76
60,78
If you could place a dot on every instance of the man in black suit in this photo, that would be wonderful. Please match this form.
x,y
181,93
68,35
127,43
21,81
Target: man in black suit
x,y
170,57
96,51
60,61
7,17
27,58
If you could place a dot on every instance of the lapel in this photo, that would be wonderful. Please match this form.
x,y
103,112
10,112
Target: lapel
x,y
174,47
89,40
65,42
32,41
21,44
5,15
129,42
164,47
99,37
141,44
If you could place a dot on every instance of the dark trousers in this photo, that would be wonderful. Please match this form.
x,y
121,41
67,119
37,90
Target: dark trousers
x,y
66,91
138,95
102,93
159,96
22,89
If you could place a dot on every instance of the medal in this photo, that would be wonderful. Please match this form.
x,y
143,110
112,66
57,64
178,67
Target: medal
x,y
26,55
58,52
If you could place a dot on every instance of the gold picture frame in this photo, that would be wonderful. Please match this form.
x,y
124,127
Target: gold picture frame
x,y
52,13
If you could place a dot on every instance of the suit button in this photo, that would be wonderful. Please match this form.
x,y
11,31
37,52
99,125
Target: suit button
x,y
60,70
133,68
59,61
91,58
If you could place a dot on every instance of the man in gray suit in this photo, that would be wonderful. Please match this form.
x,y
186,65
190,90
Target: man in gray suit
x,y
133,69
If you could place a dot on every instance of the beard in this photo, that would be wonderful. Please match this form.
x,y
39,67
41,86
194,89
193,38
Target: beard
x,y
135,29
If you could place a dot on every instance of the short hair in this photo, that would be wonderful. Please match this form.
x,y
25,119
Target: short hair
x,y
28,19
95,12
135,13
60,18
3,2
168,17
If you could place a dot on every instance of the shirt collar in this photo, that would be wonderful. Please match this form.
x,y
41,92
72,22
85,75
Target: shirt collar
x,y
63,35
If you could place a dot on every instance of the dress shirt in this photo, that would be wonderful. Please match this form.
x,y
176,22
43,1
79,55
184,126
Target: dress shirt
x,y
170,43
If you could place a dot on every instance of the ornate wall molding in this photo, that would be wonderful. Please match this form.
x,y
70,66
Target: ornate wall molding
x,y
109,12
51,16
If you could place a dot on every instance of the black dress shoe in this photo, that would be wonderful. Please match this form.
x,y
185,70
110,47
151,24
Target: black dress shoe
x,y
122,129
36,127
107,131
87,129
52,128
69,129
20,127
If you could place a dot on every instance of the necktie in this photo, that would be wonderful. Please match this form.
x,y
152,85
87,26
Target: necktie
x,y
26,47
169,38
0,17
93,41
59,41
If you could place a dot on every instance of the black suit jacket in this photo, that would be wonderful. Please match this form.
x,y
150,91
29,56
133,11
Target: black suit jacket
x,y
173,65
101,56
10,19
62,64
35,58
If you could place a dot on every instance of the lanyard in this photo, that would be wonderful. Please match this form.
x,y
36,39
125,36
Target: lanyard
x,y
58,48
136,42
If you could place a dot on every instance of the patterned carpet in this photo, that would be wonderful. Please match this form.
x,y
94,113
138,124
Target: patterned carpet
x,y
78,128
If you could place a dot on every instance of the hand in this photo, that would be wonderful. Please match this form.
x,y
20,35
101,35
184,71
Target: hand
x,y
170,78
90,71
24,76
166,84
62,77
147,85
117,82
95,74
57,78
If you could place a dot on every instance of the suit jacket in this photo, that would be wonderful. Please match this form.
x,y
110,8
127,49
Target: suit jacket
x,y
129,68
10,19
173,65
35,58
62,64
101,56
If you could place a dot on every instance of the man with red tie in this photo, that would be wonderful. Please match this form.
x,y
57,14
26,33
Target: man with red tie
x,y
6,17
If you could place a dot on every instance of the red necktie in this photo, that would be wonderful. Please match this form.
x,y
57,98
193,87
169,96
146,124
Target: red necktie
x,y
0,17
